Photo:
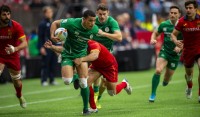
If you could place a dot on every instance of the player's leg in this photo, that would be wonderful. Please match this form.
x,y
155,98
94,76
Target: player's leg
x,y
102,88
96,85
93,75
198,62
188,78
16,78
82,71
160,64
170,69
167,77
1,68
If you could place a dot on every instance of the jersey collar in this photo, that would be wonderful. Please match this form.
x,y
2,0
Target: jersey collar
x,y
196,17
10,23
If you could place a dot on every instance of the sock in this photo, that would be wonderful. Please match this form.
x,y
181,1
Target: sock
x,y
155,82
75,77
85,97
99,97
91,99
96,89
120,86
189,82
18,91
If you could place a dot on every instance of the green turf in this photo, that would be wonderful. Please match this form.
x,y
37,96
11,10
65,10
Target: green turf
x,y
64,101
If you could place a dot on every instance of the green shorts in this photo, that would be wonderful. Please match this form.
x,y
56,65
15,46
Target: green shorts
x,y
173,60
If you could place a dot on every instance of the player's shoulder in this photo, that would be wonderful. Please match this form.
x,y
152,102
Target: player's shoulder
x,y
15,23
166,22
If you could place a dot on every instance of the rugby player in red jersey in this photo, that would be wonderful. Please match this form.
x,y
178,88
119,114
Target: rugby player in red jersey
x,y
189,26
11,33
102,63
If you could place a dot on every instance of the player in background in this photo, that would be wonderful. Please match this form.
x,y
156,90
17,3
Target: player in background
x,y
110,33
169,54
11,33
189,26
80,30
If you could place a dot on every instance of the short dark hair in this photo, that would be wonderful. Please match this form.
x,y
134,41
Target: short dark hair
x,y
5,8
102,7
175,7
194,2
88,13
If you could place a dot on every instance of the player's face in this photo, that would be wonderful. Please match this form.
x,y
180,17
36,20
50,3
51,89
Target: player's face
x,y
49,13
174,14
190,10
89,22
102,15
5,17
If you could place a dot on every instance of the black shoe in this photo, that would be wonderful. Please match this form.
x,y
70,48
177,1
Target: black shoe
x,y
86,112
76,84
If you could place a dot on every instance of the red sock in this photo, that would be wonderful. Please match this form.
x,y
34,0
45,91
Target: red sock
x,y
189,84
18,91
120,86
91,98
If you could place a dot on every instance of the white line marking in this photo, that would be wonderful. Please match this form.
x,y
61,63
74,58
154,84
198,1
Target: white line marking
x,y
59,99
38,92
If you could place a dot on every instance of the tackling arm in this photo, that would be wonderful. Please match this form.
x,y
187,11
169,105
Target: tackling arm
x,y
22,45
94,54
174,35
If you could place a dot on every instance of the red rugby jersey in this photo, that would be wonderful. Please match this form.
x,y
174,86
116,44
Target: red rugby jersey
x,y
105,58
190,31
10,35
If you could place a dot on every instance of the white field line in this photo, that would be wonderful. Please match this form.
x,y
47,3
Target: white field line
x,y
63,98
38,92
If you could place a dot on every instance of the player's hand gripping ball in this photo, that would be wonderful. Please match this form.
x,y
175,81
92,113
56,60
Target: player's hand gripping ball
x,y
61,33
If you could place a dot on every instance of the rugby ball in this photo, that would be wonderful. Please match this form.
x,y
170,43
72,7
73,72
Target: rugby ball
x,y
61,33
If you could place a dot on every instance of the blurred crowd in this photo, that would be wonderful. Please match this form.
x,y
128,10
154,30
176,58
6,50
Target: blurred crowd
x,y
137,18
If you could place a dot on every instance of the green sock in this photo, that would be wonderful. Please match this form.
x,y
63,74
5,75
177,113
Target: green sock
x,y
155,82
75,77
85,97
99,97
96,89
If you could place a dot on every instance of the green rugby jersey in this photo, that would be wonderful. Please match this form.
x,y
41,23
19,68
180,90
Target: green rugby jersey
x,y
109,26
168,46
75,45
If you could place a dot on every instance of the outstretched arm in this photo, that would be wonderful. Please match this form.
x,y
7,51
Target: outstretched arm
x,y
48,44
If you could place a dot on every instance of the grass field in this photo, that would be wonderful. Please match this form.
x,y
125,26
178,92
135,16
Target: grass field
x,y
64,101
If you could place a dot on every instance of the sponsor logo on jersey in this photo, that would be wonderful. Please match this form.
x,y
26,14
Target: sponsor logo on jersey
x,y
191,29
107,29
64,21
164,29
91,36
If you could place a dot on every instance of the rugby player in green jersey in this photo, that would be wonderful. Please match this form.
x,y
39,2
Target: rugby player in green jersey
x,y
80,30
110,32
169,54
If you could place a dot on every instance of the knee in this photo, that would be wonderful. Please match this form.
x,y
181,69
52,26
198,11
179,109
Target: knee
x,y
83,82
111,92
67,81
15,77
158,71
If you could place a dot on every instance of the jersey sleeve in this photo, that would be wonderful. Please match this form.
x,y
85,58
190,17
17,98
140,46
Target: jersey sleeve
x,y
65,23
95,29
94,46
160,28
178,25
114,26
20,32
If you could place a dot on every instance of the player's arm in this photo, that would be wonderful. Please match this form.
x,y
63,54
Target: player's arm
x,y
22,45
57,49
154,36
54,26
116,36
174,35
94,54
